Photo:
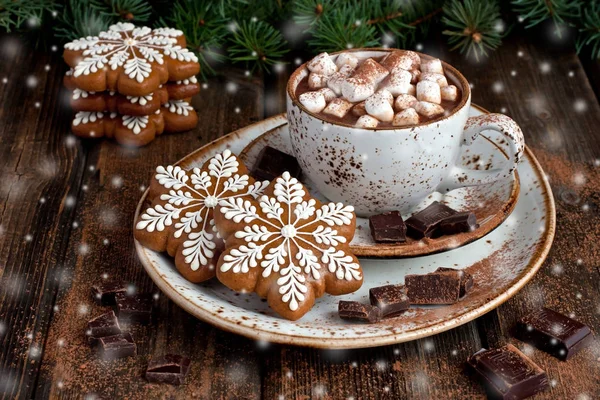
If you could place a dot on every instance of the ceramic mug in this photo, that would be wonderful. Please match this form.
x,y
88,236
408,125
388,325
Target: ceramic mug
x,y
387,169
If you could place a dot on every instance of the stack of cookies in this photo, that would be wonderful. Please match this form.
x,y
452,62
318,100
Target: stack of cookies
x,y
131,83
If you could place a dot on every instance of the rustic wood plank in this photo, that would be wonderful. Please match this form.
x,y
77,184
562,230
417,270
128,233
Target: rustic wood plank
x,y
223,367
39,171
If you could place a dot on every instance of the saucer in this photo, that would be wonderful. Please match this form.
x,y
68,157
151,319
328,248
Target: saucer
x,y
501,265
491,203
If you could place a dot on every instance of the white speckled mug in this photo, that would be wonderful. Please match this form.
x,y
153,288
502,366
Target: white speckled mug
x,y
386,169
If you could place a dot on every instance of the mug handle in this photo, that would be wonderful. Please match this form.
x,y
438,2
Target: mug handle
x,y
461,177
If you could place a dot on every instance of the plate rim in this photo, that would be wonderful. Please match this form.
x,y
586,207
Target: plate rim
x,y
356,342
387,250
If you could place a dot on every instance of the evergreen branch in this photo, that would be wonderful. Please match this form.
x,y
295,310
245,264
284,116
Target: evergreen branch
x,y
473,26
308,12
343,27
204,28
589,35
537,11
128,10
15,13
258,42
79,19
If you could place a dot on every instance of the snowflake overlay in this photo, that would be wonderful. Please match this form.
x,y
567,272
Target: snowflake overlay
x,y
297,245
133,48
189,199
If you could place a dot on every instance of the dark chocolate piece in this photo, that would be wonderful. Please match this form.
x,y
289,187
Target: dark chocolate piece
x,y
271,163
104,292
136,308
388,227
458,223
425,222
104,325
553,333
507,373
391,299
353,310
171,369
116,346
466,280
433,288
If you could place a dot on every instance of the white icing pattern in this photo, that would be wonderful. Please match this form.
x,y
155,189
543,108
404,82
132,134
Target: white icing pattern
x,y
190,196
179,107
85,117
78,93
136,124
294,244
141,100
131,47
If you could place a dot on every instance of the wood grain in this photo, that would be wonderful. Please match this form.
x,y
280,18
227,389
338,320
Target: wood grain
x,y
82,230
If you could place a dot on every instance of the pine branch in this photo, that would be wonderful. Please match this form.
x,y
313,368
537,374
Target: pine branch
x,y
15,14
258,42
308,12
473,26
205,30
537,11
79,19
589,35
128,10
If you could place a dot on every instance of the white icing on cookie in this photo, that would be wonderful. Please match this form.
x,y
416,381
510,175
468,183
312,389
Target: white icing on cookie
x,y
304,233
141,100
197,190
187,81
84,117
78,93
179,107
130,47
135,123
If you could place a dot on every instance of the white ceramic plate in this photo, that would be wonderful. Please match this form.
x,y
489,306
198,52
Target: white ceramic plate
x,y
501,263
492,203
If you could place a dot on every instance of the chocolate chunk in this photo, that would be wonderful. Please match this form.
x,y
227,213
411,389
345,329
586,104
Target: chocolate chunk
x,y
271,163
553,333
104,292
507,373
425,222
116,346
391,299
388,227
458,223
135,308
170,369
104,325
466,280
353,310
433,288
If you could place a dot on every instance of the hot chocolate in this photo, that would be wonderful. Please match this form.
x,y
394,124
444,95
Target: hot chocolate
x,y
399,89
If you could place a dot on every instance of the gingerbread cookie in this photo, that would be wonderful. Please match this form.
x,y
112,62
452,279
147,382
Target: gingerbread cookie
x,y
287,247
183,89
128,130
112,102
180,219
131,60
179,115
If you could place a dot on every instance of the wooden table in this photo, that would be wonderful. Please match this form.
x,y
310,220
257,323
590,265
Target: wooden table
x,y
66,209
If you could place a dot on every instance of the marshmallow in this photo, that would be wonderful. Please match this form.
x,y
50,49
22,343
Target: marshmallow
x,y
359,109
406,118
362,83
434,65
338,107
400,60
398,82
322,65
429,91
313,101
412,90
337,79
449,93
317,81
428,109
404,101
434,77
346,59
328,93
366,121
379,106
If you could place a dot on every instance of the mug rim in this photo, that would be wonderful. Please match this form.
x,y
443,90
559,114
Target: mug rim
x,y
466,91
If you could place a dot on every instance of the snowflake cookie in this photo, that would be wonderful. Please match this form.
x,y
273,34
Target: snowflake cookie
x,y
131,60
287,247
180,218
